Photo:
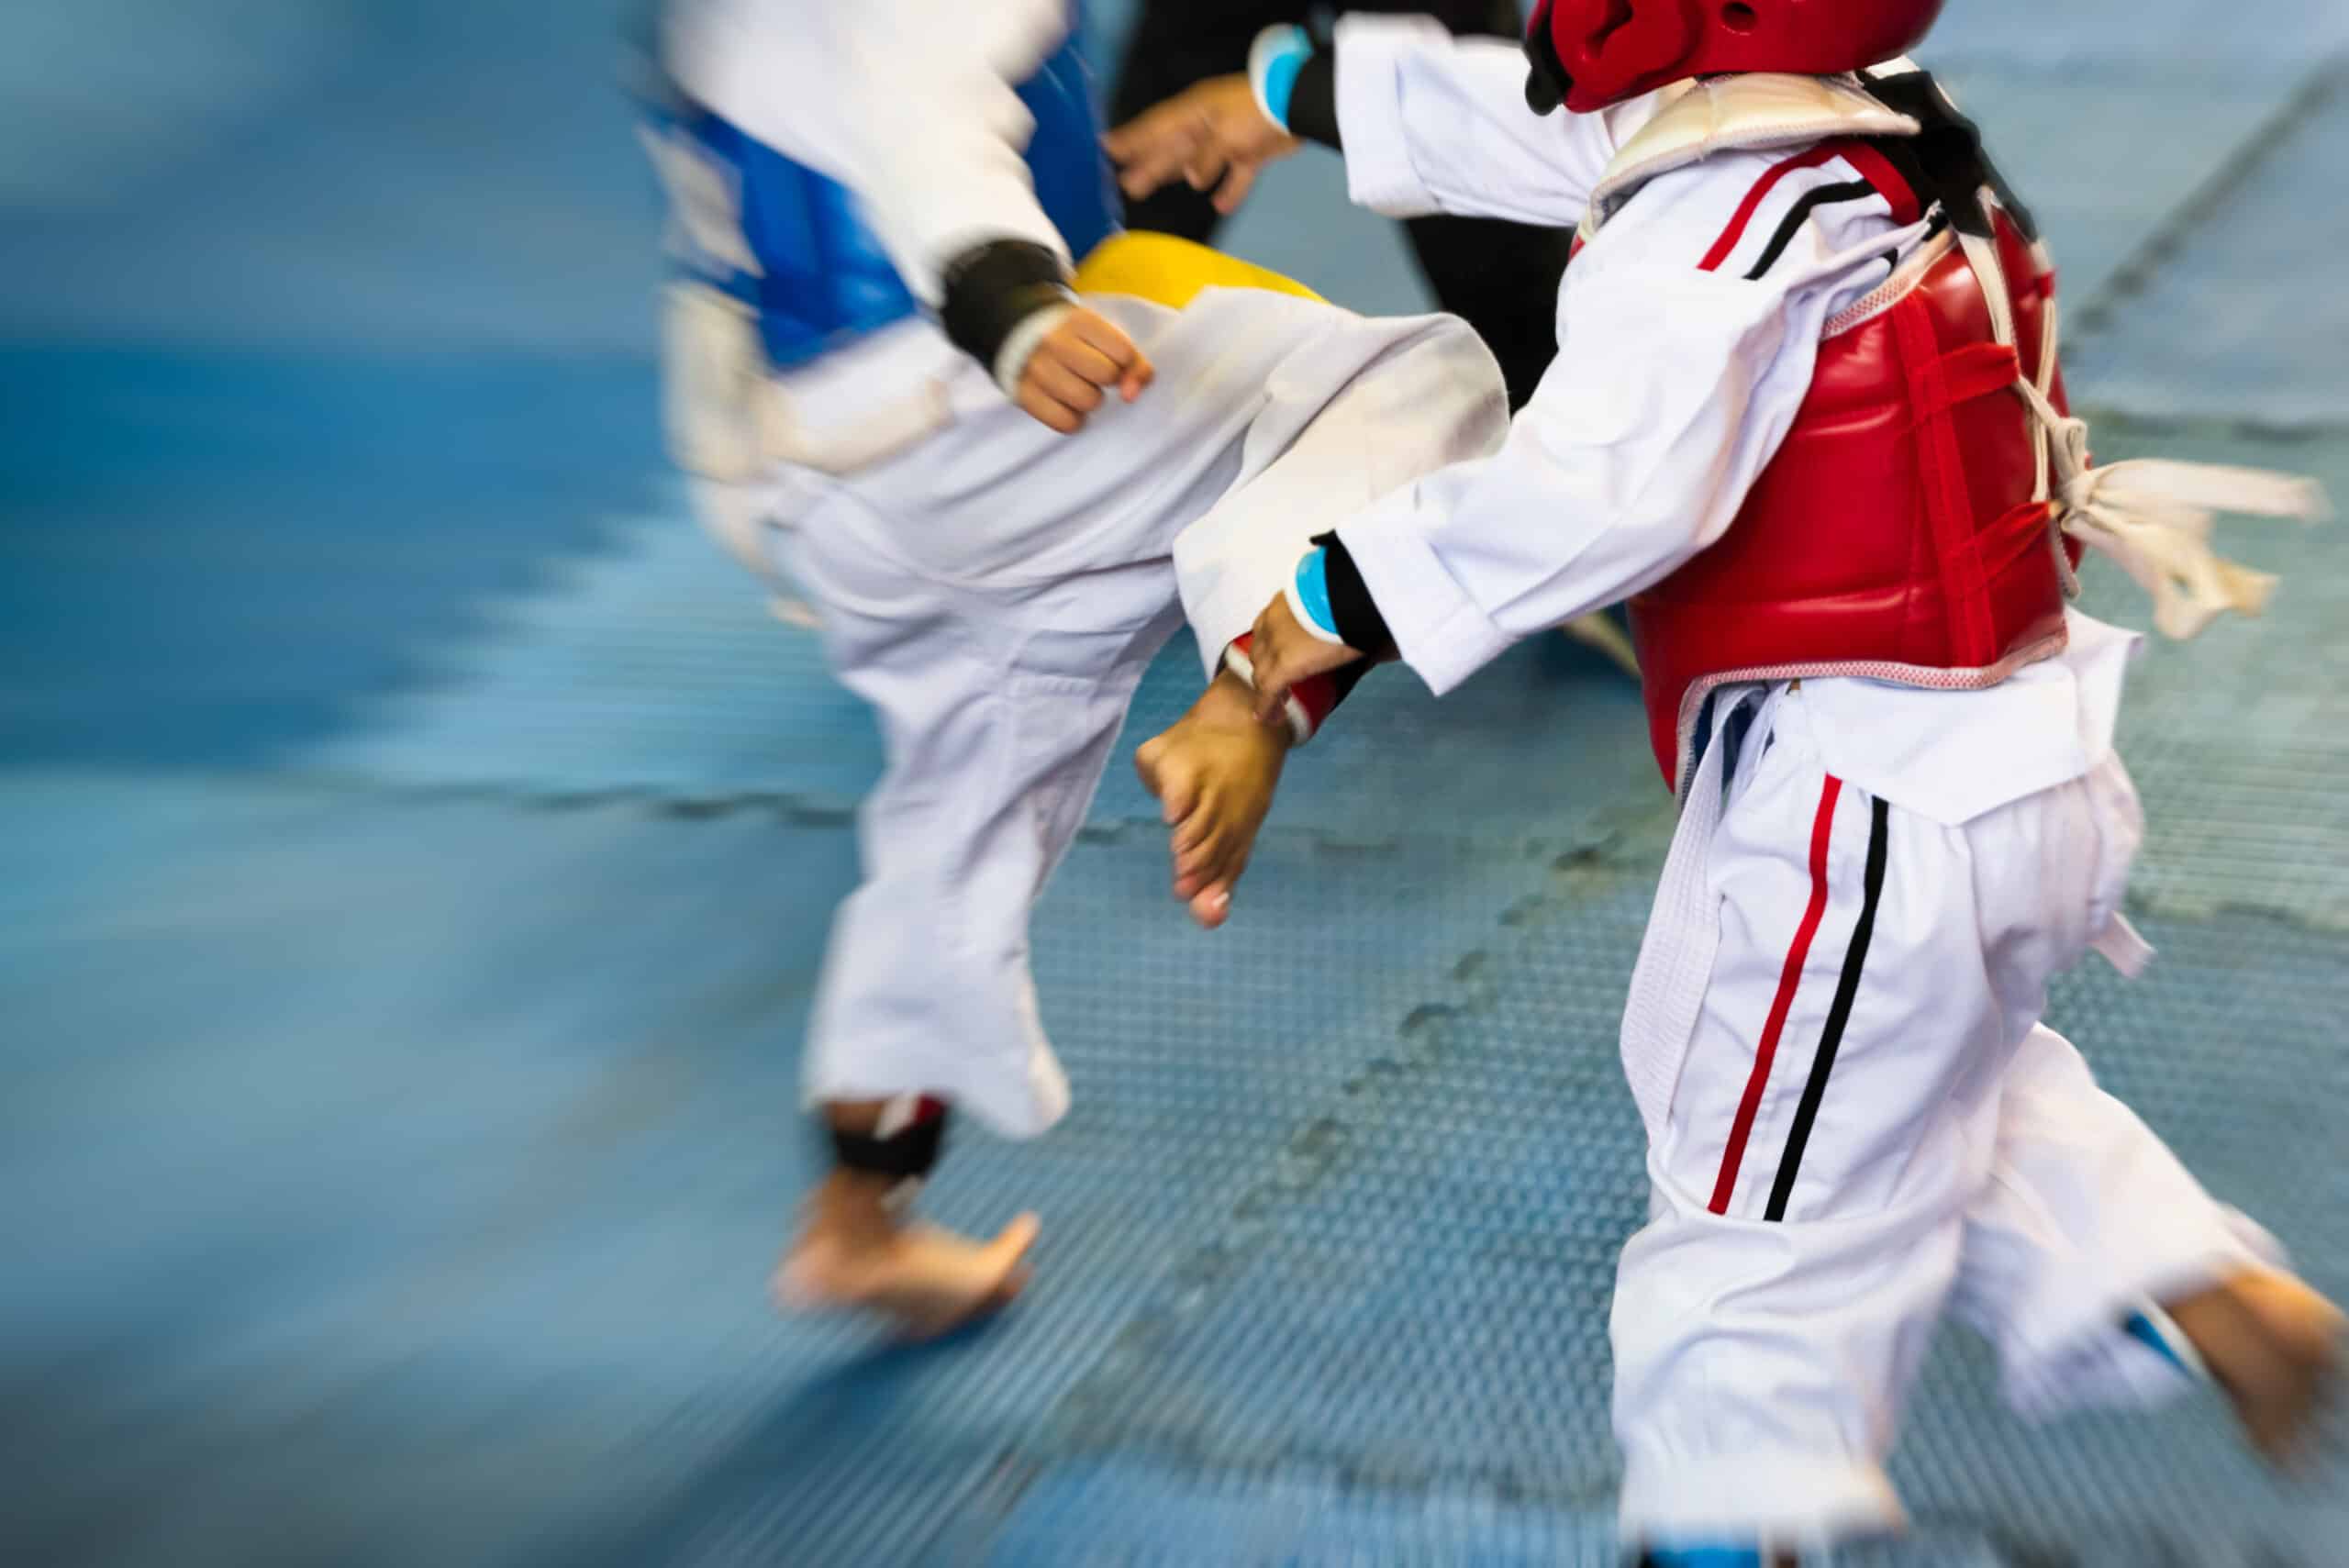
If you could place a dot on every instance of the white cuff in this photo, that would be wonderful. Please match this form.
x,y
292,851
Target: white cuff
x,y
1011,359
1786,1501
1380,175
1438,629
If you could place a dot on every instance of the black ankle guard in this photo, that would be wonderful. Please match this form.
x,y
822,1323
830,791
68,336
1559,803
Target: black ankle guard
x,y
905,1155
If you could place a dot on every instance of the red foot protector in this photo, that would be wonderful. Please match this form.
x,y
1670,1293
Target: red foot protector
x,y
1308,702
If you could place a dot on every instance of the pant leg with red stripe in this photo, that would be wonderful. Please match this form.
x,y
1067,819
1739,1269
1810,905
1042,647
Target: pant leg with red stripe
x,y
1856,1118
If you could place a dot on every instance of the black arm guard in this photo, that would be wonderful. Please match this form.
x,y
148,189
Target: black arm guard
x,y
1313,99
1360,626
990,289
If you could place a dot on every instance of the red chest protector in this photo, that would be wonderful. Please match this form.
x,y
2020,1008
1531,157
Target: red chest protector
x,y
1903,530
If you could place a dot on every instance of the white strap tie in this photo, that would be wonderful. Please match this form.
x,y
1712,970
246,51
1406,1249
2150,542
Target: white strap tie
x,y
2152,516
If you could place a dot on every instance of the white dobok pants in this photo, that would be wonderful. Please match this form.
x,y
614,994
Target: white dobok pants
x,y
996,593
1856,1120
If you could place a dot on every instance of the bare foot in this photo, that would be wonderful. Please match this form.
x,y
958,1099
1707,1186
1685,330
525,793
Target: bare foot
x,y
1214,772
929,1281
2272,1345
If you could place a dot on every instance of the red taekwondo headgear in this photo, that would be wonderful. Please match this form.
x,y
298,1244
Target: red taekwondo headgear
x,y
1589,54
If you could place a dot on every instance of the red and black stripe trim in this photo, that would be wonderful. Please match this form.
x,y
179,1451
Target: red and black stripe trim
x,y
1879,177
1754,199
1822,828
1810,202
1839,1015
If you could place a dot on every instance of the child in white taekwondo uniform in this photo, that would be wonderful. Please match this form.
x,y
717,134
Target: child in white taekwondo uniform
x,y
1806,417
881,349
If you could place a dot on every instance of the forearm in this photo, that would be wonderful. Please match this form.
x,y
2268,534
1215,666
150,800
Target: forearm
x,y
1635,454
1434,124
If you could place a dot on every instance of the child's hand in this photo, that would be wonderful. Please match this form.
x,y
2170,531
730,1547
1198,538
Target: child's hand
x,y
1212,135
1285,653
1084,352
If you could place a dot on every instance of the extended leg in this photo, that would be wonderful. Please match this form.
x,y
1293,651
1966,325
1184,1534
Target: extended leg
x,y
1353,414
2106,1274
995,736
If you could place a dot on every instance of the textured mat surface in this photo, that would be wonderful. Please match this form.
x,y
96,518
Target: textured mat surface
x,y
208,559
469,1198
2239,324
460,1178
1345,1310
2101,152
2234,737
402,176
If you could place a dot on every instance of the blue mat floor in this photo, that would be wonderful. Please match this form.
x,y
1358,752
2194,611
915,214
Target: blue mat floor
x,y
421,841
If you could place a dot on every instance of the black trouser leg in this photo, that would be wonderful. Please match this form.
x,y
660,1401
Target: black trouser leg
x,y
1175,43
1502,279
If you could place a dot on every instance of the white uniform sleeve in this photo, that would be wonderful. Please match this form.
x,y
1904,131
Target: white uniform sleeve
x,y
910,104
1672,387
1435,124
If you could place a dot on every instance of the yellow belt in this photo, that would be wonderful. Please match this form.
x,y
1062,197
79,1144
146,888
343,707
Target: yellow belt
x,y
1170,271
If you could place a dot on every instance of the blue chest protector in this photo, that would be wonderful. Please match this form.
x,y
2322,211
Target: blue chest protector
x,y
824,280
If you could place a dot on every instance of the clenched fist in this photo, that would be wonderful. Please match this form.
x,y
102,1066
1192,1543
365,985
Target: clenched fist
x,y
1084,352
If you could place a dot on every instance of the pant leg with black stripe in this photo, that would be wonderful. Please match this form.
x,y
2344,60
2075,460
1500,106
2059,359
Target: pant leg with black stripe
x,y
1862,1123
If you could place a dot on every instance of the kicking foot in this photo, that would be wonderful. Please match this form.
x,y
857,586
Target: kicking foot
x,y
2272,1345
1214,772
926,1280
